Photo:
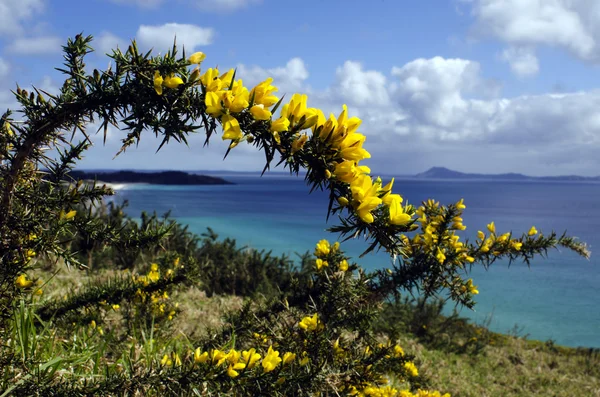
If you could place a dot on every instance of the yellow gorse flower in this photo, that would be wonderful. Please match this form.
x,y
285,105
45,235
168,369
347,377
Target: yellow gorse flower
x,y
166,361
200,357
231,128
532,232
232,370
320,263
197,58
259,112
172,81
347,171
210,80
309,324
250,358
365,197
397,214
176,359
343,265
213,104
218,357
271,360
305,359
337,349
398,351
472,288
298,144
158,81
299,115
440,256
288,358
22,282
263,93
516,245
411,369
504,237
66,216
323,248
236,99
280,125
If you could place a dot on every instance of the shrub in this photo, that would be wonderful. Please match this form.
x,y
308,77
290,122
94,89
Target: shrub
x,y
311,335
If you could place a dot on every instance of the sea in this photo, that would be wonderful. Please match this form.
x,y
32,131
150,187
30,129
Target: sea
x,y
557,298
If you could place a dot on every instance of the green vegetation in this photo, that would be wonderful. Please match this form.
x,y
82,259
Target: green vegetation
x,y
95,303
452,354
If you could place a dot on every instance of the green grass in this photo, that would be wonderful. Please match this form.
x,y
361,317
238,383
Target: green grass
x,y
513,367
454,355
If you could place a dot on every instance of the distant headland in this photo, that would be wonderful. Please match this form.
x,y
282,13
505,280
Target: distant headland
x,y
155,178
445,173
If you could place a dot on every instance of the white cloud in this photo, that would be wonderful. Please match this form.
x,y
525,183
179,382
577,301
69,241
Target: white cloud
x,y
14,12
359,87
290,78
443,112
522,61
160,37
35,45
105,42
433,92
570,24
427,112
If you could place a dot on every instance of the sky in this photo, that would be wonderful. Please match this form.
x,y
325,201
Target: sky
x,y
489,86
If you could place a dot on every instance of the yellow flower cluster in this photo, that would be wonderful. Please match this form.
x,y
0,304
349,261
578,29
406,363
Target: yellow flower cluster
x,y
411,369
502,243
324,251
235,360
437,240
389,391
171,359
471,288
336,138
310,323
341,137
67,216
154,274
158,299
22,282
96,328
383,389
170,81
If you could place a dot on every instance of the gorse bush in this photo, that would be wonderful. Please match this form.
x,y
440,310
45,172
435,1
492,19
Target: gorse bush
x,y
425,319
307,331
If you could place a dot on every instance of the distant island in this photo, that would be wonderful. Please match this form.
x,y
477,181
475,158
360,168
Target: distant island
x,y
155,178
445,173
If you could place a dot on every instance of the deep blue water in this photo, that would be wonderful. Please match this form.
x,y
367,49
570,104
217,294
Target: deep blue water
x,y
557,298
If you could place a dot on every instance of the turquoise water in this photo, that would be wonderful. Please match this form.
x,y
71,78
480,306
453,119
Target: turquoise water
x,y
557,298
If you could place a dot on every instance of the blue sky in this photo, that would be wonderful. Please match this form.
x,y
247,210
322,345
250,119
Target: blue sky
x,y
474,85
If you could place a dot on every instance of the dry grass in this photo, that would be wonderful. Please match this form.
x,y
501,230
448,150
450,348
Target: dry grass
x,y
515,368
510,367
199,313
